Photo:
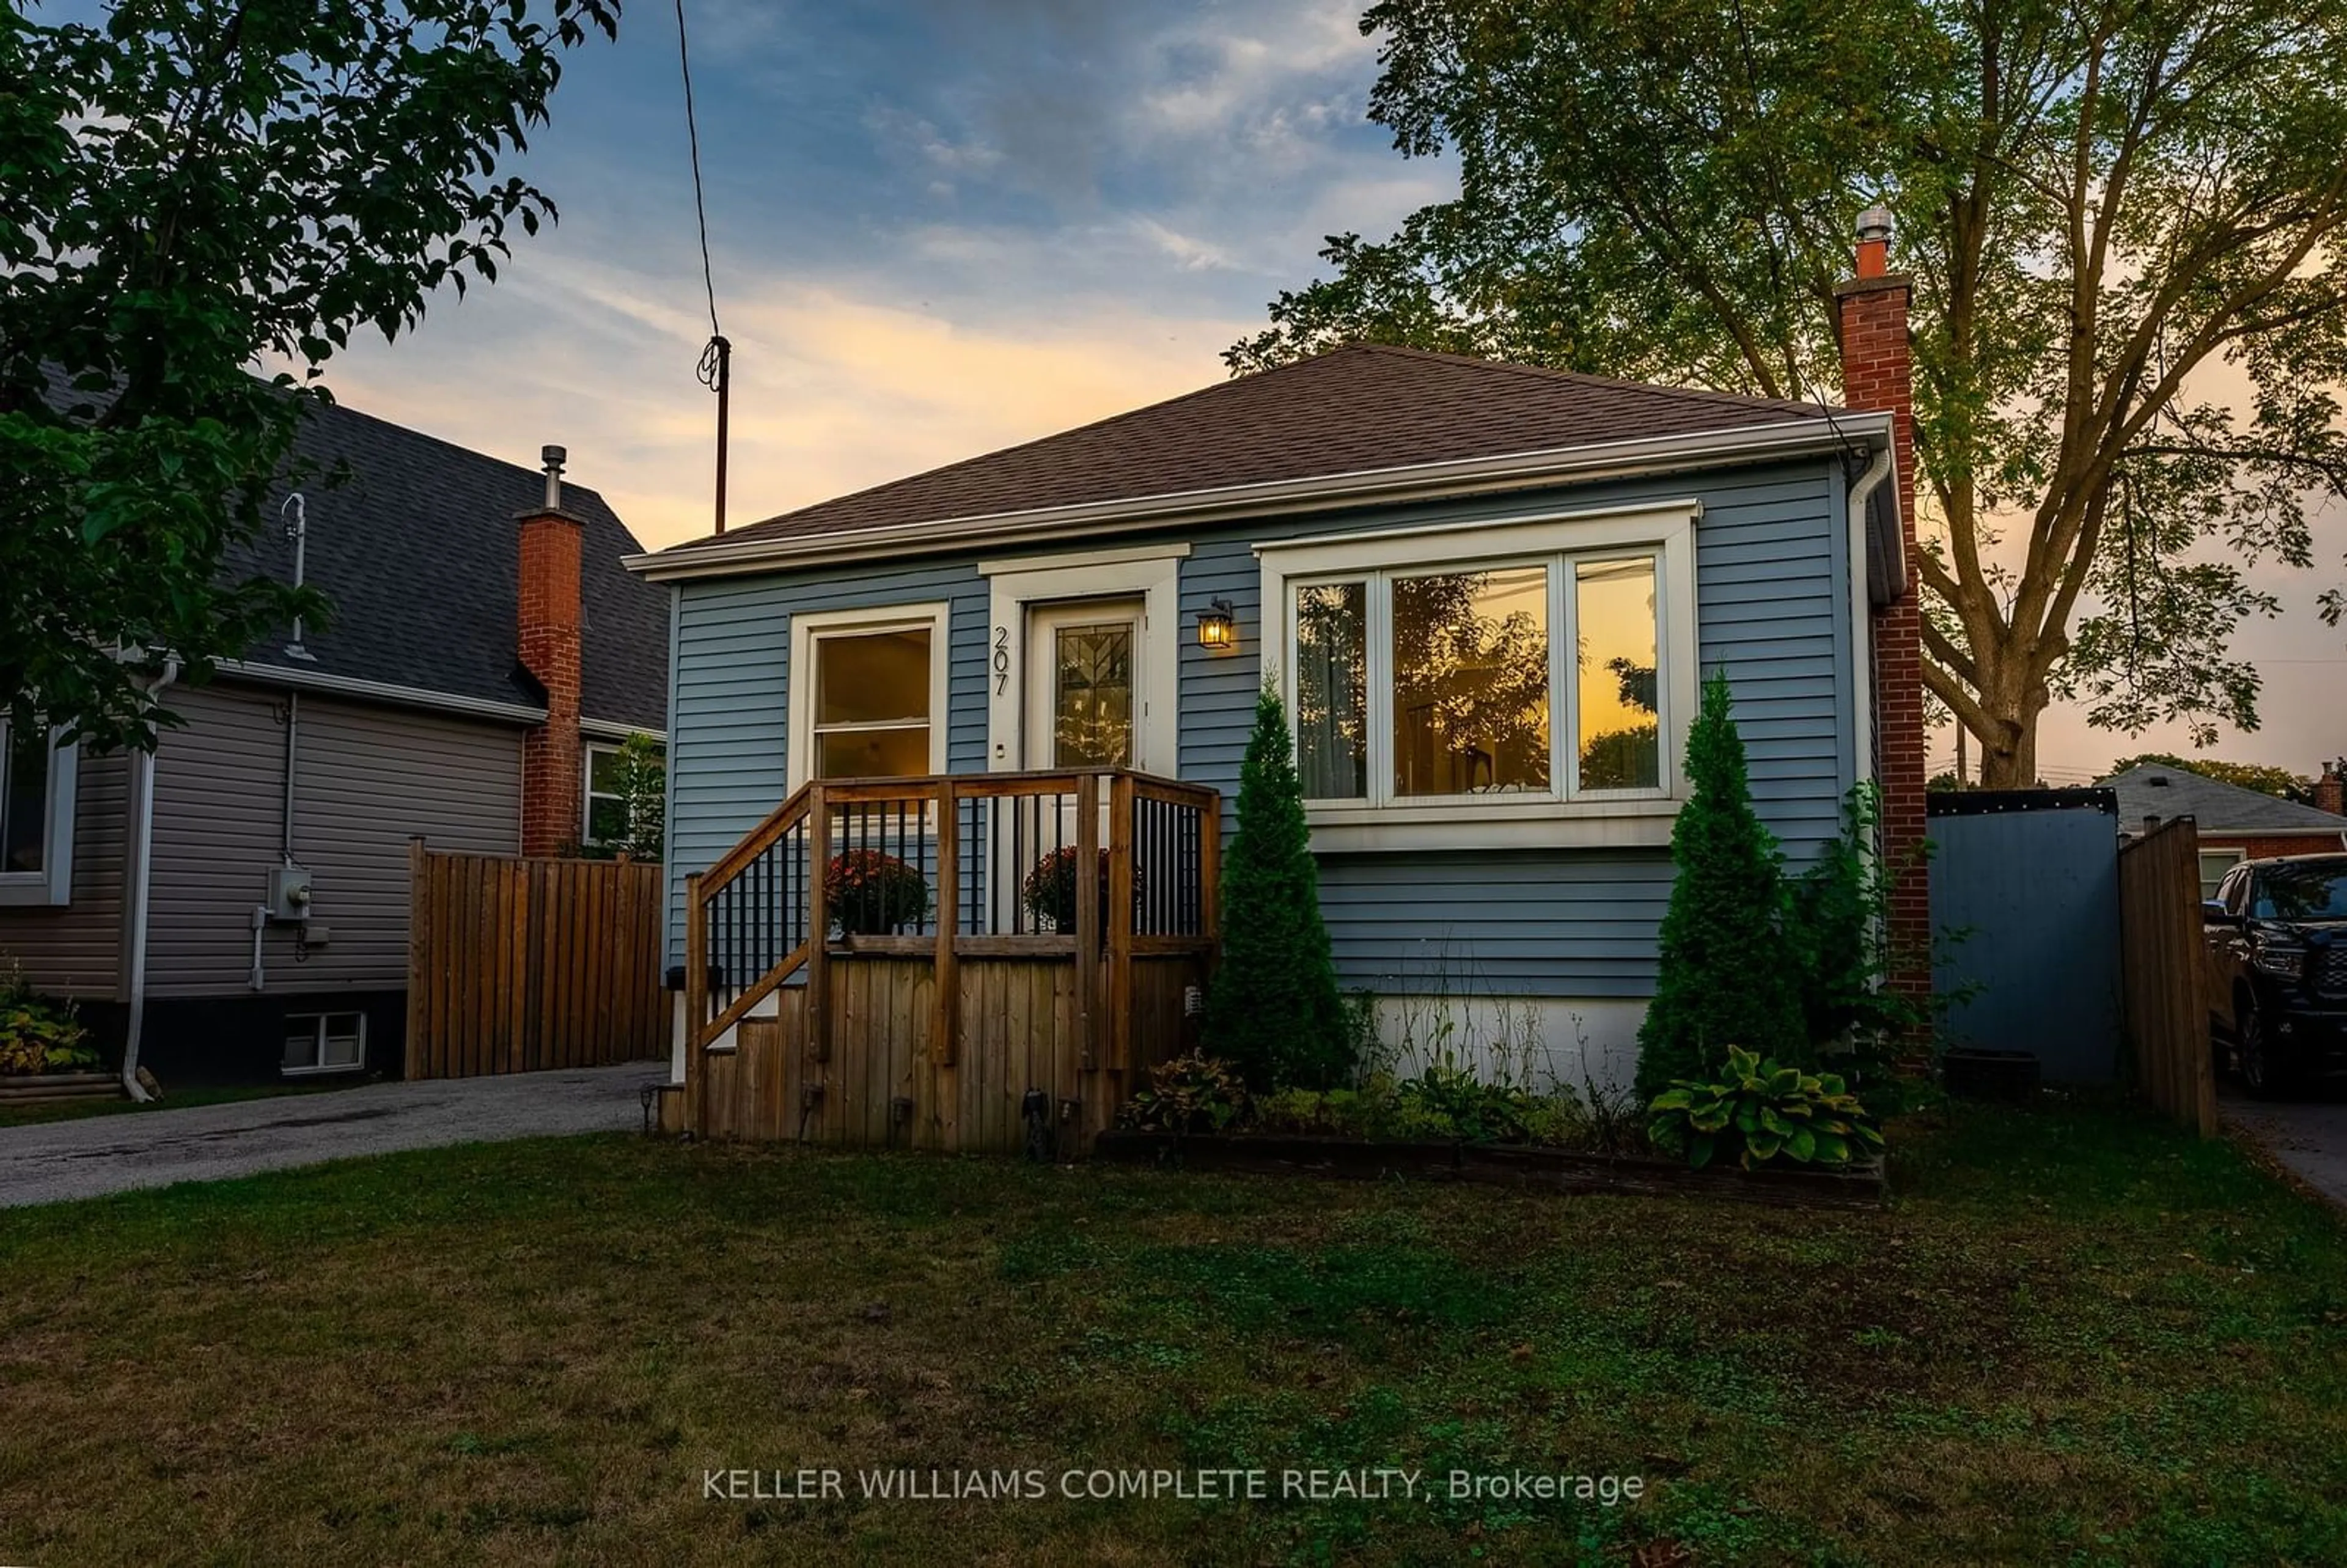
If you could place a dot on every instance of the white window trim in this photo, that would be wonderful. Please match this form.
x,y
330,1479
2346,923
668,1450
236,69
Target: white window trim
x,y
52,885
317,1039
808,627
1611,819
2240,856
587,794
1152,574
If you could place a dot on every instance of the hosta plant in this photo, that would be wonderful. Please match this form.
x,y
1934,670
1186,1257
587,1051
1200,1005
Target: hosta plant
x,y
39,1035
1194,1093
1756,1111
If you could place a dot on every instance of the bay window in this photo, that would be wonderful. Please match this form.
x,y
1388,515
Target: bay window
x,y
1487,673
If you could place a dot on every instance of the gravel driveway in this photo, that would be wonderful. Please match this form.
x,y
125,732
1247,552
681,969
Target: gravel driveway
x,y
2308,1135
100,1154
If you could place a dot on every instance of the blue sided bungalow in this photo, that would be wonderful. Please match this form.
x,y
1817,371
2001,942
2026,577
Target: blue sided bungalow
x,y
1487,594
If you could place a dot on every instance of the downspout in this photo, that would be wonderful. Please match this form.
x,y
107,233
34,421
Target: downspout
x,y
142,847
1862,613
292,752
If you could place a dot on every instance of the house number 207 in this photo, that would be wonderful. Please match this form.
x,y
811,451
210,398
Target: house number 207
x,y
1001,660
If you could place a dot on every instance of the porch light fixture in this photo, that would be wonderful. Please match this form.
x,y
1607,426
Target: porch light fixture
x,y
1218,627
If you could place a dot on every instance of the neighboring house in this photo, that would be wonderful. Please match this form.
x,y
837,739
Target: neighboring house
x,y
2233,824
484,651
1412,546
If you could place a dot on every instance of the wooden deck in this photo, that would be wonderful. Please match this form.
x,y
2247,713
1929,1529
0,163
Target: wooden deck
x,y
993,1018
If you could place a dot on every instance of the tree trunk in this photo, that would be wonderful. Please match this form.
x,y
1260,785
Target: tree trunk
x,y
2013,698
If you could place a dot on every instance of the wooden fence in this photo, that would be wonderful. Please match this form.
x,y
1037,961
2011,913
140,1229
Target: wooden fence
x,y
517,965
2163,956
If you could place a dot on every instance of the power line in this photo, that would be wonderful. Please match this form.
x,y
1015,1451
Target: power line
x,y
716,367
692,138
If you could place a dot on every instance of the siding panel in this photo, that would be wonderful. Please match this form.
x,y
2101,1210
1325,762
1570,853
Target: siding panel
x,y
366,780
75,951
729,701
1772,592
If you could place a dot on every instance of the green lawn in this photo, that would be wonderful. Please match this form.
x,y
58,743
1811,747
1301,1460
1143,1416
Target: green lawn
x,y
2076,1338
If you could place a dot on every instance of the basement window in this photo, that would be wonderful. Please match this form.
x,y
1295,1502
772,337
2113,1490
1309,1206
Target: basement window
x,y
324,1042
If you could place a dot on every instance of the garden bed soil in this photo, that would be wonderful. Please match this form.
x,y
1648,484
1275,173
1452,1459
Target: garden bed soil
x,y
1556,1170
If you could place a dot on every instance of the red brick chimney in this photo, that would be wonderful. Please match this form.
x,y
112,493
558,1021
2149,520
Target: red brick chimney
x,y
547,635
1877,373
2331,789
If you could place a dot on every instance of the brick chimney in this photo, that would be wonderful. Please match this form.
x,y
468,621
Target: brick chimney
x,y
1877,373
548,640
2331,789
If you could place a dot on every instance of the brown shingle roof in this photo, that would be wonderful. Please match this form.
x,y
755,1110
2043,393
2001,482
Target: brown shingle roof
x,y
1349,411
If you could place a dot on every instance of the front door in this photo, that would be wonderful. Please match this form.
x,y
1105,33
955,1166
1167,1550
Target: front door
x,y
1085,707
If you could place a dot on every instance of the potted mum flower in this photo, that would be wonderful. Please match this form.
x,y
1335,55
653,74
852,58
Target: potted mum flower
x,y
1049,891
870,894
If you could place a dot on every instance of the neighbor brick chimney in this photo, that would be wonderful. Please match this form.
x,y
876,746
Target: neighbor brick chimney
x,y
1877,373
2331,789
548,639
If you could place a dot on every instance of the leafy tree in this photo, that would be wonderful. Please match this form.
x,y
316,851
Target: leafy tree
x,y
637,827
2101,205
1728,976
1274,1009
2279,781
195,188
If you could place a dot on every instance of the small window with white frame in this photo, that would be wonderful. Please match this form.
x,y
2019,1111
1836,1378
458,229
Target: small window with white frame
x,y
606,820
867,693
37,816
324,1042
2214,864
1540,668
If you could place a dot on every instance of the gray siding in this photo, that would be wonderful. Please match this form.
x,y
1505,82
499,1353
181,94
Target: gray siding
x,y
75,951
1773,595
729,695
367,778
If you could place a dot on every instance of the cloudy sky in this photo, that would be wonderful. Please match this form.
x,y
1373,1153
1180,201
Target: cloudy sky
x,y
942,226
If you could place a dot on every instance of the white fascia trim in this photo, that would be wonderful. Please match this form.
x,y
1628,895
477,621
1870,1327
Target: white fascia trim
x,y
1425,481
381,691
807,625
1119,557
1153,576
612,729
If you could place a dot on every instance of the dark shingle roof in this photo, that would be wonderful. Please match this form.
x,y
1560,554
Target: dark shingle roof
x,y
2217,807
1351,410
418,550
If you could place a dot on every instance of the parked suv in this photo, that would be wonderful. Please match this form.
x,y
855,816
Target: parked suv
x,y
2277,934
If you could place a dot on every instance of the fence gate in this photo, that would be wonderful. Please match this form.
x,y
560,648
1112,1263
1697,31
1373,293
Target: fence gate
x,y
2026,906
518,965
2167,963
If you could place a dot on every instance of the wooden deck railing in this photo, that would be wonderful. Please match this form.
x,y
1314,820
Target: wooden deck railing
x,y
971,866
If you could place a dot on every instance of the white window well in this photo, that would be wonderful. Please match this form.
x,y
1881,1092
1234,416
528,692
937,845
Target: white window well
x,y
324,1042
867,693
36,817
1489,684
